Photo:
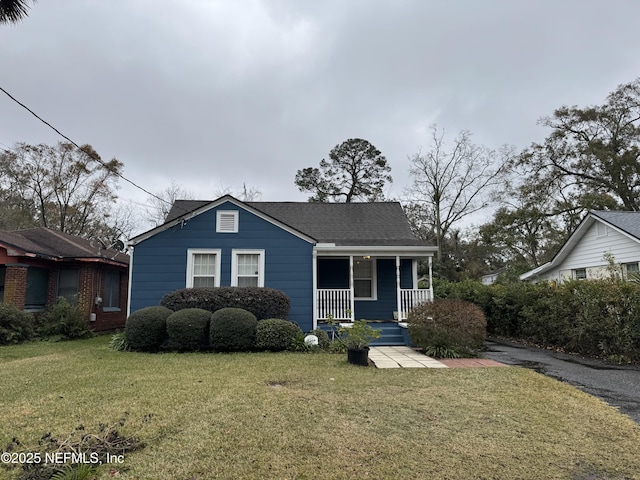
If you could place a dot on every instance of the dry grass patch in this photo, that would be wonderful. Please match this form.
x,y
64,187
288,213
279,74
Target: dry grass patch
x,y
222,416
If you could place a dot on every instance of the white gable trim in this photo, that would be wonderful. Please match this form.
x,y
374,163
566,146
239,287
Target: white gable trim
x,y
183,219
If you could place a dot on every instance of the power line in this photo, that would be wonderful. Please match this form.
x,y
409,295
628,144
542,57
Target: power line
x,y
78,147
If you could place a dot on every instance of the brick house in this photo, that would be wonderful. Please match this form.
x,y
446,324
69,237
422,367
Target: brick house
x,y
39,265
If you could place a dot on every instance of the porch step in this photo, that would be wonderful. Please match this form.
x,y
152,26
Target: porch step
x,y
391,333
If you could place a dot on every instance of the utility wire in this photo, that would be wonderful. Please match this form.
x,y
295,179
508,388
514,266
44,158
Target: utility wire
x,y
78,147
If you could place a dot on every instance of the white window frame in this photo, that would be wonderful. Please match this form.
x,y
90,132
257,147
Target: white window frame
x,y
234,265
219,214
191,252
575,273
635,268
374,279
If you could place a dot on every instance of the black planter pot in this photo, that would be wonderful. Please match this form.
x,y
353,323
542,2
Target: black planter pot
x,y
358,356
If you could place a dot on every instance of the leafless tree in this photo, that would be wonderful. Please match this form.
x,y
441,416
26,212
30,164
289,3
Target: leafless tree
x,y
452,183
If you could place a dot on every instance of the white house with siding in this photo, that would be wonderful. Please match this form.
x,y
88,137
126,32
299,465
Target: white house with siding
x,y
602,235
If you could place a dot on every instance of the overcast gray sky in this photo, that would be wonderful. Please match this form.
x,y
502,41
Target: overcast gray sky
x,y
214,93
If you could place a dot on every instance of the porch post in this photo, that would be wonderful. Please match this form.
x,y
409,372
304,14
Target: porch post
x,y
398,294
352,302
431,278
314,276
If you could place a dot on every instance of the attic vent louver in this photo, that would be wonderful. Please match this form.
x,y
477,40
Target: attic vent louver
x,y
227,222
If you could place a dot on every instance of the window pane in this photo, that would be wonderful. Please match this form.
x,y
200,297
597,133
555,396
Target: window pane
x,y
362,288
363,269
247,281
632,267
204,264
204,282
248,264
111,290
37,283
68,284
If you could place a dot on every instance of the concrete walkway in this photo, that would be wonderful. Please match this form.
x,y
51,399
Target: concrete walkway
x,y
401,357
405,357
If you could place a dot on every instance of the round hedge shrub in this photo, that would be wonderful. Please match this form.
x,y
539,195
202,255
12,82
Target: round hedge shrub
x,y
262,302
448,327
277,335
232,330
15,325
188,329
146,329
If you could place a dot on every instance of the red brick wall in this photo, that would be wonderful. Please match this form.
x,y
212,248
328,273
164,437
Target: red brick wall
x,y
15,285
91,284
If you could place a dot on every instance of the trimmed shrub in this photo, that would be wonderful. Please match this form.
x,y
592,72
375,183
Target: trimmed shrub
x,y
262,302
277,335
188,329
448,327
15,325
63,321
233,330
146,329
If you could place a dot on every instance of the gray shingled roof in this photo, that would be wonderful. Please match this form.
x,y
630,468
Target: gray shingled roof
x,y
374,224
47,243
626,221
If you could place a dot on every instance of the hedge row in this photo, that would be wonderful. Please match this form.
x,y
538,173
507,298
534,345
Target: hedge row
x,y
262,302
61,321
226,330
595,317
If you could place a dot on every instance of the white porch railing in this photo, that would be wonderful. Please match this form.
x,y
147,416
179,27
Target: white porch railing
x,y
410,299
337,303
334,302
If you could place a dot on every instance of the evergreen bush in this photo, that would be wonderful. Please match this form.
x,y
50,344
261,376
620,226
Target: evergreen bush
x,y
233,330
15,325
262,302
146,329
188,329
449,327
63,321
277,335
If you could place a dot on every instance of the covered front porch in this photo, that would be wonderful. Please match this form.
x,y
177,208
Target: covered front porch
x,y
372,283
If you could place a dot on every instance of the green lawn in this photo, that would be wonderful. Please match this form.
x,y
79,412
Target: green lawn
x,y
307,416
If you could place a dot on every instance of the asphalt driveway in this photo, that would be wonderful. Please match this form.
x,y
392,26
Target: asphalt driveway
x,y
618,385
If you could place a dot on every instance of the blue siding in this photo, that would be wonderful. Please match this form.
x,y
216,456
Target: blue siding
x,y
160,262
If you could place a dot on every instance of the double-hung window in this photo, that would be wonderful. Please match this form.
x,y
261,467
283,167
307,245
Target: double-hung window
x,y
68,283
363,278
247,268
203,267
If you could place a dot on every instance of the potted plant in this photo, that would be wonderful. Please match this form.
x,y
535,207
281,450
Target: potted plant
x,y
356,337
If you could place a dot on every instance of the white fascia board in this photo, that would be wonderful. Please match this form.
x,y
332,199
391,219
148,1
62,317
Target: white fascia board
x,y
376,250
211,205
536,271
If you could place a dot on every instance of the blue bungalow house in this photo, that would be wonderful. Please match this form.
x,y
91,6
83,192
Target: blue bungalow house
x,y
348,260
